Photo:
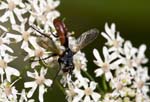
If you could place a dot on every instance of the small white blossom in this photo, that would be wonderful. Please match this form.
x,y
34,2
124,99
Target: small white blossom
x,y
38,53
141,98
107,65
129,52
6,39
43,12
6,69
87,94
119,84
9,92
40,80
12,8
140,58
25,36
140,80
114,40
79,61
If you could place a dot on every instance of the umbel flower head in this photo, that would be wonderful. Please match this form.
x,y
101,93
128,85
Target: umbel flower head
x,y
120,76
40,80
129,75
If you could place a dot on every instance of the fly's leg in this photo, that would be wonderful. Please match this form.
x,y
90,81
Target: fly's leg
x,y
53,33
53,55
45,35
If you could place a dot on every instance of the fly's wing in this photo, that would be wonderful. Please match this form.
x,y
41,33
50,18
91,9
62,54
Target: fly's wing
x,y
86,38
48,44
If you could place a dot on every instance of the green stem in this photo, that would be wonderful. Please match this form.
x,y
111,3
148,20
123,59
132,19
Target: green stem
x,y
104,83
97,86
60,86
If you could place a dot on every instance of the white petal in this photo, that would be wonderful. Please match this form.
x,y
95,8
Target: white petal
x,y
7,48
106,54
30,74
43,71
77,98
95,96
97,56
34,64
106,36
24,45
141,51
4,17
113,28
108,76
11,71
29,84
12,18
41,92
109,32
33,41
99,72
87,99
30,93
31,19
3,28
9,58
13,36
18,14
93,85
48,82
1,71
3,5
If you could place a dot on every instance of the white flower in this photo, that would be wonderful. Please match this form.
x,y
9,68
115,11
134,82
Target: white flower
x,y
5,69
129,52
109,98
25,34
140,79
5,40
79,61
107,64
4,44
119,84
114,39
39,81
12,8
141,98
140,57
23,96
43,12
70,93
87,94
9,92
37,52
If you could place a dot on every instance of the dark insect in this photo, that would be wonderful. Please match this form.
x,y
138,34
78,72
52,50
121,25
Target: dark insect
x,y
65,59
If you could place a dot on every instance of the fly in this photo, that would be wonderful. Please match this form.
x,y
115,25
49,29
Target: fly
x,y
65,59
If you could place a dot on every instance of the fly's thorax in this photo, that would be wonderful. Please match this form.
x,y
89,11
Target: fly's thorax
x,y
66,61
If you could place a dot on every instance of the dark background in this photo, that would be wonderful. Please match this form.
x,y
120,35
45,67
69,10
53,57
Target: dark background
x,y
132,19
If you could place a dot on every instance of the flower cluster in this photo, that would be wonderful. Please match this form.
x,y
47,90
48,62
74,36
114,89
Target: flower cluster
x,y
123,67
15,20
29,24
